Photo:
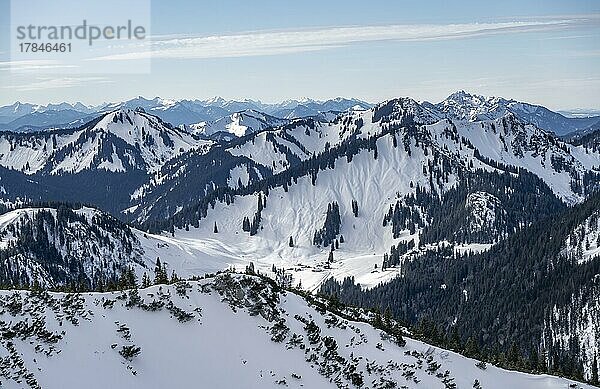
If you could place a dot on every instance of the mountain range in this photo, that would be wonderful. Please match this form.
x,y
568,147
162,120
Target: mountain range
x,y
469,220
26,117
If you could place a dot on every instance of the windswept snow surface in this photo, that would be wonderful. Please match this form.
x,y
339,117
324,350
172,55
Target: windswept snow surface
x,y
220,332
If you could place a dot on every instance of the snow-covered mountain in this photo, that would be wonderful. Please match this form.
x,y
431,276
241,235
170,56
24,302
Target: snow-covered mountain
x,y
33,117
293,109
178,112
18,109
225,331
378,159
30,117
102,162
370,194
13,111
458,106
49,119
234,105
118,141
385,168
237,124
175,112
468,145
465,106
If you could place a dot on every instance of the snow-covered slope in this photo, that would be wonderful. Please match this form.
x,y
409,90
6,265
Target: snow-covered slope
x,y
60,246
119,141
237,124
227,331
583,243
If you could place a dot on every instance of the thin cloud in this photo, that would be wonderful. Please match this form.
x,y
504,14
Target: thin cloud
x,y
32,65
57,83
260,43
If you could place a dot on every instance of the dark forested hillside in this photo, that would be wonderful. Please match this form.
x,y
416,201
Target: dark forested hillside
x,y
56,246
517,296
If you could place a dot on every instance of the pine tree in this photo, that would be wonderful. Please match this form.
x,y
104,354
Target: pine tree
x,y
455,339
377,322
127,279
472,347
174,277
132,278
514,355
355,208
160,273
145,281
157,270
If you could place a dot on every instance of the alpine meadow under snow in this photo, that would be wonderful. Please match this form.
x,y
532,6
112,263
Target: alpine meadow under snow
x,y
470,226
223,331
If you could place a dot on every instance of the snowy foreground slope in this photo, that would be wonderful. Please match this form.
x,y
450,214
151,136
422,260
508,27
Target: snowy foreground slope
x,y
225,331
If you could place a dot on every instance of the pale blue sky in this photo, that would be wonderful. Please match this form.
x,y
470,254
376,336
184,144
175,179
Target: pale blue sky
x,y
545,52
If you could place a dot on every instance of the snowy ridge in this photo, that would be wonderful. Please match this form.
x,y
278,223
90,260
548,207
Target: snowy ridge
x,y
25,117
464,106
230,330
373,157
237,124
119,141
